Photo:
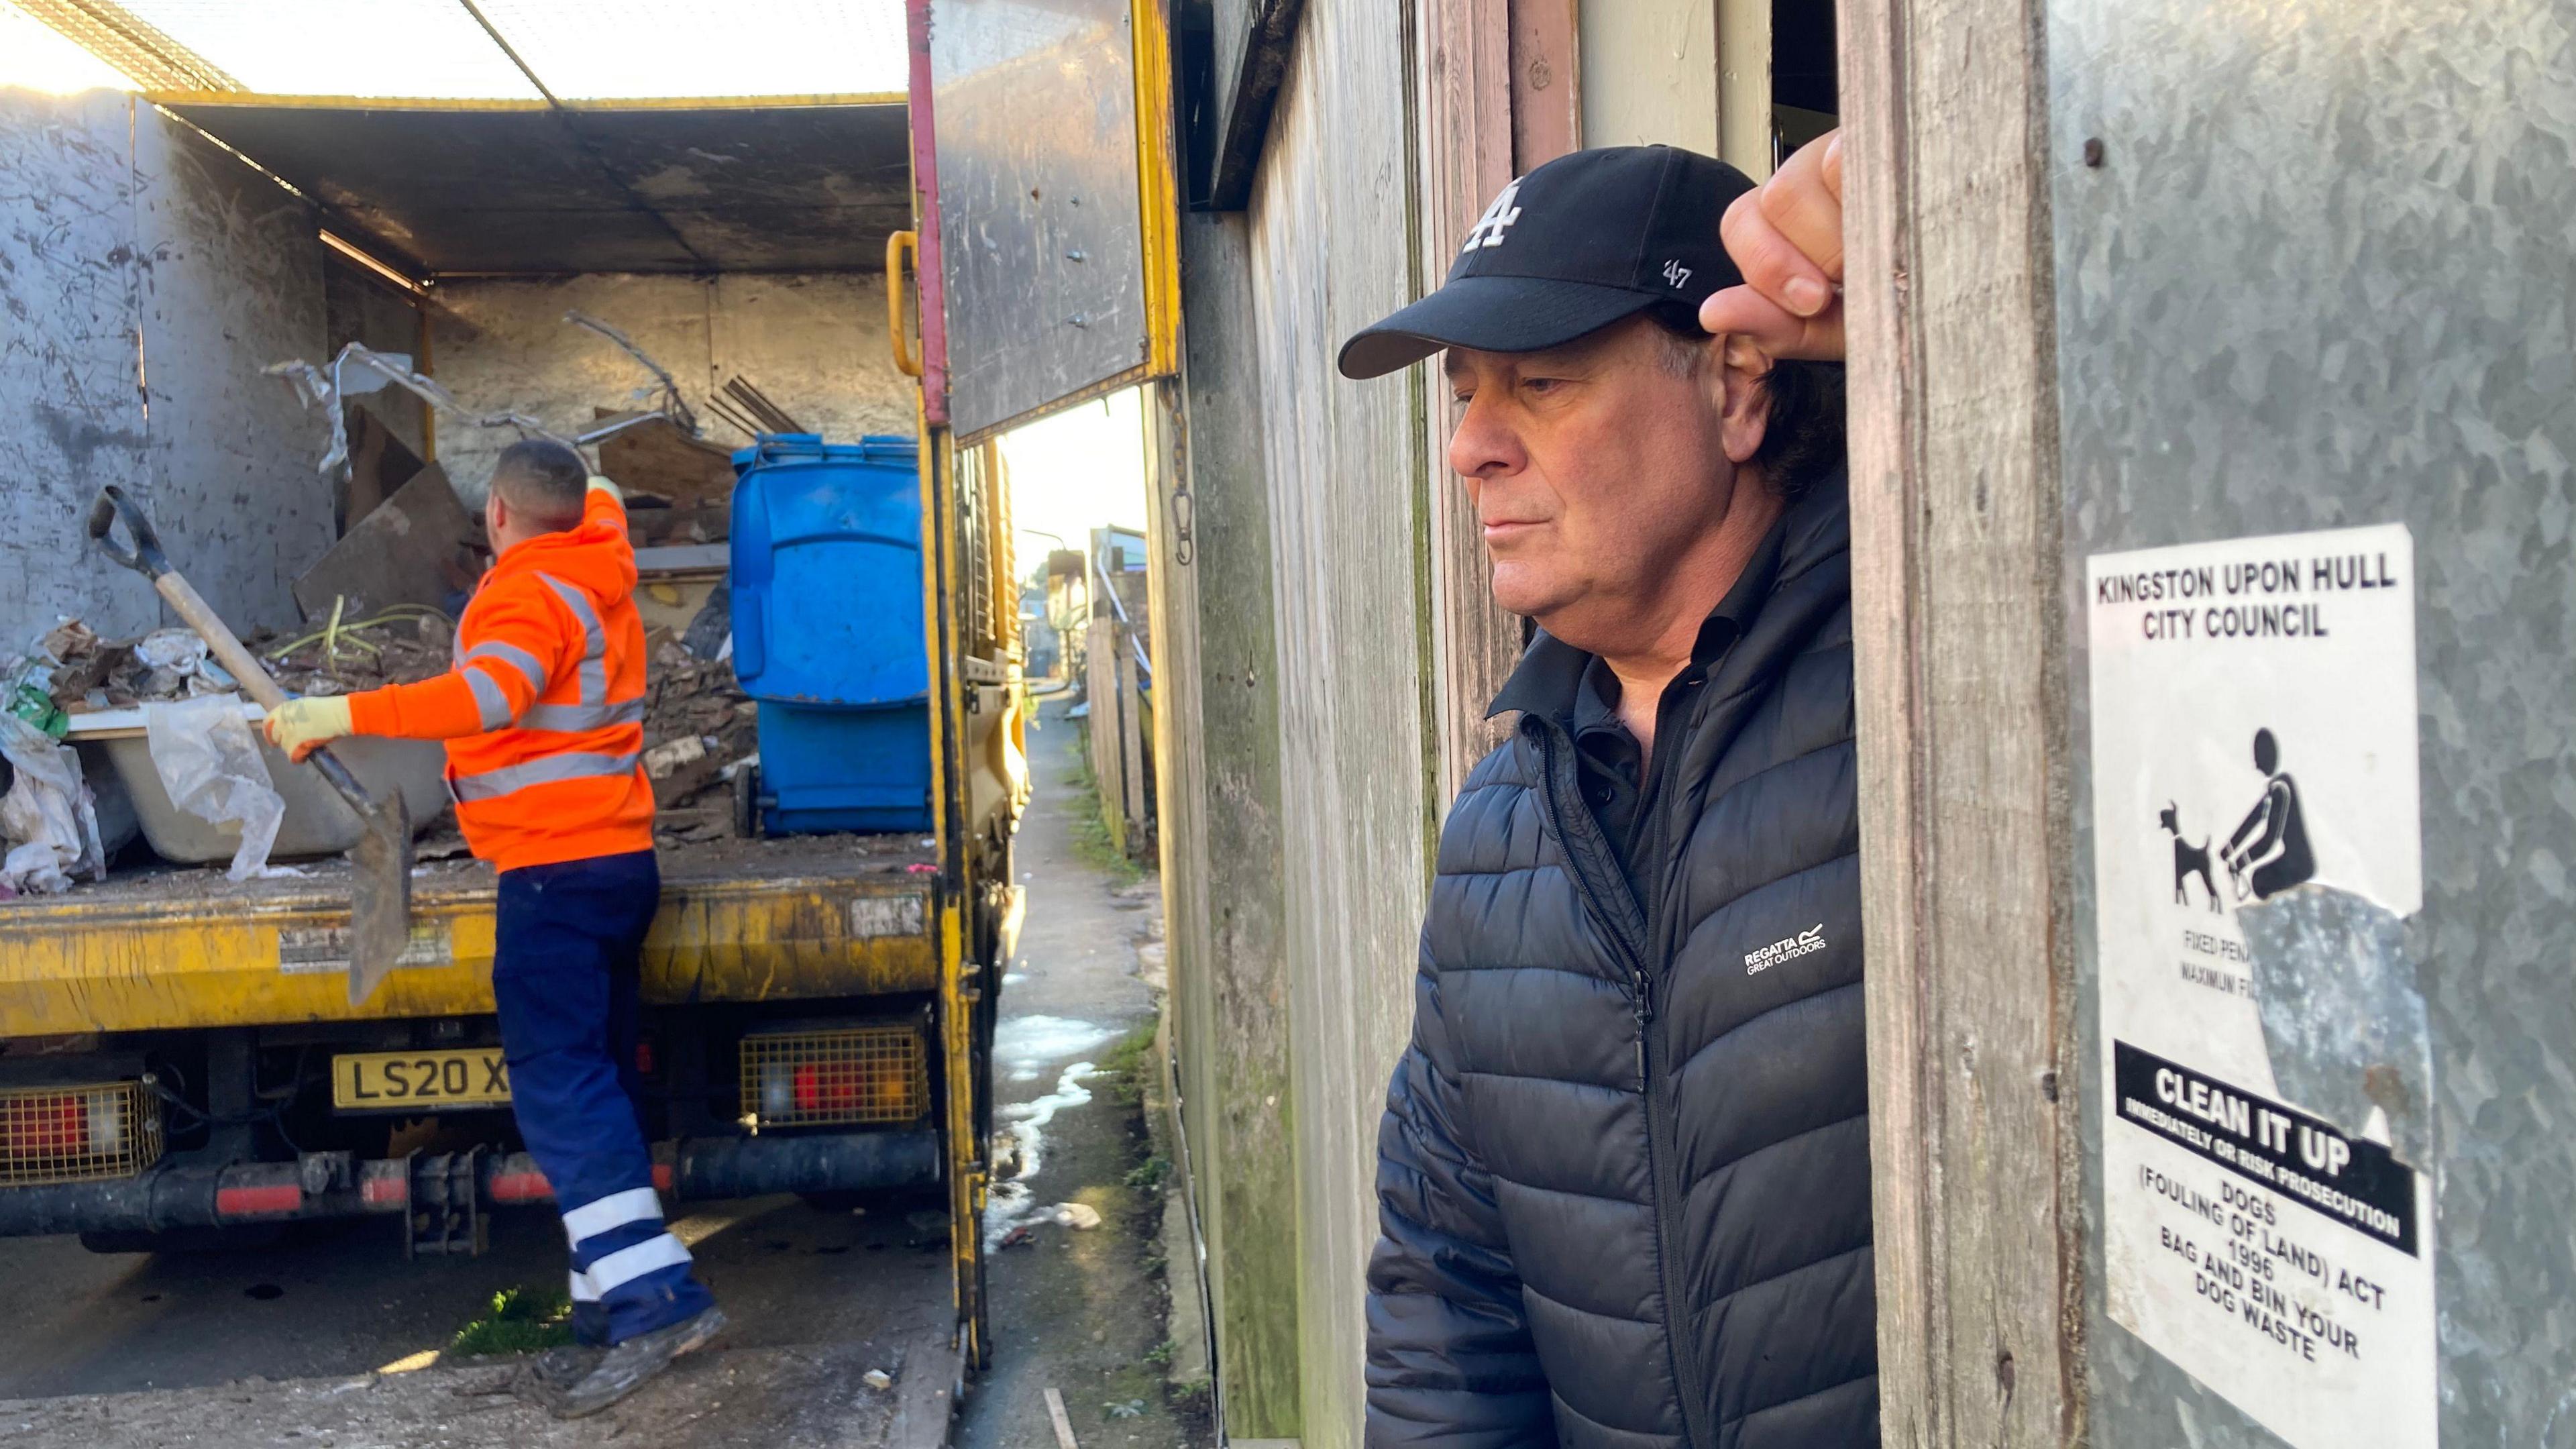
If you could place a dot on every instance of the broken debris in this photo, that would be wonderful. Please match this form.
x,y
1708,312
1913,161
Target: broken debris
x,y
345,656
699,727
653,455
417,547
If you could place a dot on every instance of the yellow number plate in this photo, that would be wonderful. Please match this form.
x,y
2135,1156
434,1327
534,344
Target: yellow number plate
x,y
475,1077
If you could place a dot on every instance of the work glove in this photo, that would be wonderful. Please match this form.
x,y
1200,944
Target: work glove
x,y
301,726
603,485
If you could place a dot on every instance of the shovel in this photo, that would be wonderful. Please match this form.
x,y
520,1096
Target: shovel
x,y
380,884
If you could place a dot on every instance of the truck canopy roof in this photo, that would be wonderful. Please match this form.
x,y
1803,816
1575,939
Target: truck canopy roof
x,y
530,190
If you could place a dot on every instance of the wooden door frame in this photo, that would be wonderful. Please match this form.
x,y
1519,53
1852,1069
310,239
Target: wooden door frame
x,y
1959,623
1498,93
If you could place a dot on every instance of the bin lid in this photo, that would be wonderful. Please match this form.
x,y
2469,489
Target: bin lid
x,y
775,448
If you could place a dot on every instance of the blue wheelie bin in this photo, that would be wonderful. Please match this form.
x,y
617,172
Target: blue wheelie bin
x,y
827,632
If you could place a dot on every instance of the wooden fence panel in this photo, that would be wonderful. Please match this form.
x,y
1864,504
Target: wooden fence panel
x,y
1215,653
1331,250
1959,638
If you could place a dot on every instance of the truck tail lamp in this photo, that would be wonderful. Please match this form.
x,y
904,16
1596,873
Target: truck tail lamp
x,y
77,1134
859,1075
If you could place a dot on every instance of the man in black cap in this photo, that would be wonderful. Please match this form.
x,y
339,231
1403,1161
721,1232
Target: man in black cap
x,y
1623,1176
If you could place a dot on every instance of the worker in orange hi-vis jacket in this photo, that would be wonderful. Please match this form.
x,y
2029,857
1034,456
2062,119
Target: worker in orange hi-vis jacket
x,y
543,715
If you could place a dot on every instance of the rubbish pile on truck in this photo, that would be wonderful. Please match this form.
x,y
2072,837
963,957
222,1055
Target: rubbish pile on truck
x,y
382,605
73,686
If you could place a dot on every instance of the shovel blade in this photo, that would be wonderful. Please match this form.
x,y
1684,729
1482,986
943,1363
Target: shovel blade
x,y
379,895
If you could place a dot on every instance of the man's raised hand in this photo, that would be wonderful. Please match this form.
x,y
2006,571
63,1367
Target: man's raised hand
x,y
1786,237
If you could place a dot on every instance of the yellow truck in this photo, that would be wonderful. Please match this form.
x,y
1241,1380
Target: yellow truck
x,y
178,1055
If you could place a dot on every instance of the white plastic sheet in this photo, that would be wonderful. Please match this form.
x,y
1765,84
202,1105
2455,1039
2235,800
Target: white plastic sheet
x,y
208,760
46,819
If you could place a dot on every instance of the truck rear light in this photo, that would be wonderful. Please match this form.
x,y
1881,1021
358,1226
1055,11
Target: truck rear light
x,y
77,1134
862,1075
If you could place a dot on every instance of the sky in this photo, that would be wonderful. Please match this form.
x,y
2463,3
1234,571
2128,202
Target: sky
x,y
33,56
1076,471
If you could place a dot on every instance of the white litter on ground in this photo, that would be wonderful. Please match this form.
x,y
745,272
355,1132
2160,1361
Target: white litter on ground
x,y
1009,1203
1024,1047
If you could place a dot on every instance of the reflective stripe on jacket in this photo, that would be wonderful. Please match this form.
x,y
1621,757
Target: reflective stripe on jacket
x,y
543,713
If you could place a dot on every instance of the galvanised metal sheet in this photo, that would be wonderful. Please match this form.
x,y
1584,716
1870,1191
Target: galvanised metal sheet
x,y
2322,277
1044,249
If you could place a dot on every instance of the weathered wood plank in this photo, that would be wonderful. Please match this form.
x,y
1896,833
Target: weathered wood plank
x,y
1252,40
1101,727
1131,738
1331,254
1546,83
1220,802
1963,722
1465,80
1744,85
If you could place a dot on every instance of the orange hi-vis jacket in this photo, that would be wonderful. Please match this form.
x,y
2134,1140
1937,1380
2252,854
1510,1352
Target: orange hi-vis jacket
x,y
544,712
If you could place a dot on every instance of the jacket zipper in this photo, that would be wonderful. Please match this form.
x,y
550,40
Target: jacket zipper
x,y
1653,1085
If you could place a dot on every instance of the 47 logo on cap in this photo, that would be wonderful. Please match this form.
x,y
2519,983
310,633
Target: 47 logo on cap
x,y
1498,218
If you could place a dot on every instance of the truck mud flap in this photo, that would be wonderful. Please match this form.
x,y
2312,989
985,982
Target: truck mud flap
x,y
333,1184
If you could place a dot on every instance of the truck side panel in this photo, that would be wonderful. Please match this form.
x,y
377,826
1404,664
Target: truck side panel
x,y
85,964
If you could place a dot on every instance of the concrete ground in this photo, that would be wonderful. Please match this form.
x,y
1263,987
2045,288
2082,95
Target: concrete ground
x,y
333,1339
1081,1311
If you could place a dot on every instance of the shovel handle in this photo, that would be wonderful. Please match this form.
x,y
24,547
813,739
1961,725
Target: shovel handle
x,y
145,557
244,666
341,780
239,662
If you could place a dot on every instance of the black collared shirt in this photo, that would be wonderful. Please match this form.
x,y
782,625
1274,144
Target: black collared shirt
x,y
1578,693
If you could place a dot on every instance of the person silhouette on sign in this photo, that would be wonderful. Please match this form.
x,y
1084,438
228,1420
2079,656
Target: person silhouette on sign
x,y
2283,846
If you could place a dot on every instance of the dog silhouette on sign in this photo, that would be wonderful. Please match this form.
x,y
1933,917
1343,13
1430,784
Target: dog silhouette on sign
x,y
2189,859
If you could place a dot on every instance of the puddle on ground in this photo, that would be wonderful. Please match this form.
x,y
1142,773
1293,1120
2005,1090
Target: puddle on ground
x,y
1009,1201
1025,1046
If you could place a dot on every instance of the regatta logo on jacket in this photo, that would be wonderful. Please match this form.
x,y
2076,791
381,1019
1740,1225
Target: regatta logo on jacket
x,y
1806,942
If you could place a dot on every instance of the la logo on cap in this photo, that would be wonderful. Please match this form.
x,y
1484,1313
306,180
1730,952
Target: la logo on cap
x,y
1498,218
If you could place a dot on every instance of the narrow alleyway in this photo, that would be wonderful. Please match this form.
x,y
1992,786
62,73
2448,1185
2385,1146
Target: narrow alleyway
x,y
333,1338
1080,1311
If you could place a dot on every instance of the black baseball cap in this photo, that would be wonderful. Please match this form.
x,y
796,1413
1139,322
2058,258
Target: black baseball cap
x,y
1572,247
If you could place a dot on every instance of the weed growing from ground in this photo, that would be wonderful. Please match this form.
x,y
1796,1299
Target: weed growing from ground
x,y
523,1320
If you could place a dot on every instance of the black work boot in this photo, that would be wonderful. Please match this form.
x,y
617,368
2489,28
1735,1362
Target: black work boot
x,y
625,1366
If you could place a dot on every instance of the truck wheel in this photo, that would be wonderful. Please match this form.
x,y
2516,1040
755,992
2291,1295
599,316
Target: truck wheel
x,y
247,1237
746,801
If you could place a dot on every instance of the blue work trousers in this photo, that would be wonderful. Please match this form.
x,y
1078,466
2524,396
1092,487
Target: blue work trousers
x,y
565,965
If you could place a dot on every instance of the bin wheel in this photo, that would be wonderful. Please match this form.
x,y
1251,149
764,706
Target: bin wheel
x,y
746,801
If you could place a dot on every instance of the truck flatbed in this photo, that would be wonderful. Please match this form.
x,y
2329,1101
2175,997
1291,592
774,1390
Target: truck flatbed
x,y
741,920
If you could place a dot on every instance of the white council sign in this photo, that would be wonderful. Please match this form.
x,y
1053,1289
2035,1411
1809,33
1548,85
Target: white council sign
x,y
2253,711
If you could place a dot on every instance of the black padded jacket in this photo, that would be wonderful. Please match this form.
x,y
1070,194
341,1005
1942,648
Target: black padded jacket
x,y
1623,1177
